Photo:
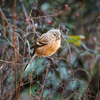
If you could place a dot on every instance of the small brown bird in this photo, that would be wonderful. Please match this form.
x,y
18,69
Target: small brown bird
x,y
47,44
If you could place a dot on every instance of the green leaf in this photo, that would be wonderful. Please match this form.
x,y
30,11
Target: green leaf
x,y
75,40
46,93
36,66
45,6
28,92
52,79
57,96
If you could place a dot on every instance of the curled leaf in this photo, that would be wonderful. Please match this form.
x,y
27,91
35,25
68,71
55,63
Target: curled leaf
x,y
75,40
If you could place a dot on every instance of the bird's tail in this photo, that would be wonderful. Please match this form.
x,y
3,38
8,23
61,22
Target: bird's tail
x,y
29,64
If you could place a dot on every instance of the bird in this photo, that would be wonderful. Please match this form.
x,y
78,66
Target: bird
x,y
46,45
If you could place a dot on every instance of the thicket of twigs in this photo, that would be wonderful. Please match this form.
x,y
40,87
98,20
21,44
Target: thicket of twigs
x,y
73,73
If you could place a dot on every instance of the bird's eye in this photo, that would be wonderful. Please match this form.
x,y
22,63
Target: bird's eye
x,y
55,34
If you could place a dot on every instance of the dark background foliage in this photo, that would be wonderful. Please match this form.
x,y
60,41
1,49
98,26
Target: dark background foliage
x,y
73,73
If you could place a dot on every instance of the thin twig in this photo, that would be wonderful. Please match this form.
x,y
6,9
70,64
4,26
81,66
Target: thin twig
x,y
29,21
52,15
4,18
43,85
11,62
2,15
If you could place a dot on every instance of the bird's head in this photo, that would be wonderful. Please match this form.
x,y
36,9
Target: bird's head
x,y
56,33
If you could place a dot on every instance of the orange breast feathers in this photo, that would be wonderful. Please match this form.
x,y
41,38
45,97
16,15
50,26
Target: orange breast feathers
x,y
49,49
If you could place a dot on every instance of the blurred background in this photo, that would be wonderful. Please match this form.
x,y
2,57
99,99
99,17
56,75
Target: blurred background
x,y
73,73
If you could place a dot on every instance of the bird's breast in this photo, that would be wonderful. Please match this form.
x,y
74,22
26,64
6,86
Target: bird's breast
x,y
48,49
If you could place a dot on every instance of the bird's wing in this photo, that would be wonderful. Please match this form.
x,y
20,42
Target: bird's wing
x,y
43,40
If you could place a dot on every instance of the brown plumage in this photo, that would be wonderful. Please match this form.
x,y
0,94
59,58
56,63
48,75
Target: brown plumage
x,y
47,44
